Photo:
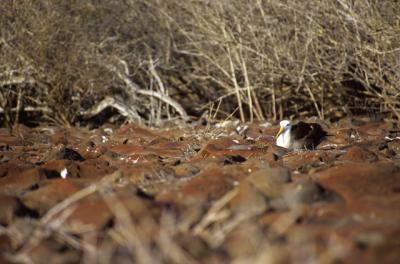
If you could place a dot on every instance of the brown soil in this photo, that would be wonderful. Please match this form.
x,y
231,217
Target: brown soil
x,y
213,194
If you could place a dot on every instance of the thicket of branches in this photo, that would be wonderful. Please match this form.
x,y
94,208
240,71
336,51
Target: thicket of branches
x,y
152,60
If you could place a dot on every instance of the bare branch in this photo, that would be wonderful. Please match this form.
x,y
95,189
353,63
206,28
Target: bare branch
x,y
134,88
124,109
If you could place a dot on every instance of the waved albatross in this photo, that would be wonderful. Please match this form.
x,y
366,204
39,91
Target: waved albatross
x,y
299,135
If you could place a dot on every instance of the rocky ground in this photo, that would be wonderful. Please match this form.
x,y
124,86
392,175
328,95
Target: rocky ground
x,y
201,194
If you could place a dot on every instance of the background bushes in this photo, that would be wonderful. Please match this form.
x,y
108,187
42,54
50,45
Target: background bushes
x,y
156,60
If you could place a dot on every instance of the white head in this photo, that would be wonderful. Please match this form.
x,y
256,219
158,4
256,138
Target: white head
x,y
284,123
283,138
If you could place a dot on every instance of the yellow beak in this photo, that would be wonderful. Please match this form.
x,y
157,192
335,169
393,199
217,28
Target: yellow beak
x,y
281,130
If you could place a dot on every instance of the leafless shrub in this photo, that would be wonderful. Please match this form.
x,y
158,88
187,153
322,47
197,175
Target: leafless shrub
x,y
158,59
278,58
66,57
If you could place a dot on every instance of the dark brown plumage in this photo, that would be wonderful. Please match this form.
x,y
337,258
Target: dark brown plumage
x,y
308,135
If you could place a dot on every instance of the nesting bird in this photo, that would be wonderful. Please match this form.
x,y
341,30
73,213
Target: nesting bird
x,y
300,135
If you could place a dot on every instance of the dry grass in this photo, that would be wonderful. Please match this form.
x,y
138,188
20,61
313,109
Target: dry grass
x,y
252,60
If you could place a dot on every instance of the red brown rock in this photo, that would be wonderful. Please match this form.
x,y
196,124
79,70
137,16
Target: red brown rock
x,y
8,206
219,193
49,194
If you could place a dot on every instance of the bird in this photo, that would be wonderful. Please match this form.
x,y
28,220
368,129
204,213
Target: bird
x,y
299,135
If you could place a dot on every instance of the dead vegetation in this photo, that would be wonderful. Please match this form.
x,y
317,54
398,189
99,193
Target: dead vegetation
x,y
65,62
